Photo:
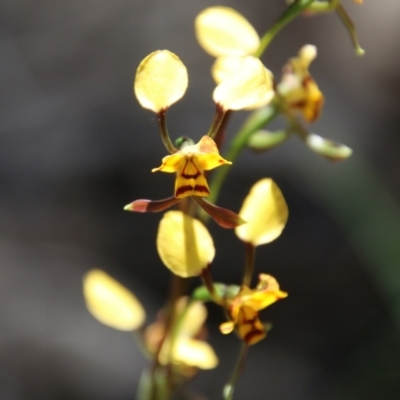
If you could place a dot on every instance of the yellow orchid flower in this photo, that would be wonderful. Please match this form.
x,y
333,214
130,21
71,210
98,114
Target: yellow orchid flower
x,y
265,211
189,164
184,347
245,306
298,89
111,303
184,244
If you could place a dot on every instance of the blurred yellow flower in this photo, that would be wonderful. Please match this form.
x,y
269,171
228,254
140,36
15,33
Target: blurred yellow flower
x,y
111,303
245,83
184,244
227,35
189,163
183,348
161,80
222,31
265,211
298,89
245,306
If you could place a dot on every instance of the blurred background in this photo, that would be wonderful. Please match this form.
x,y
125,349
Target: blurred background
x,y
75,147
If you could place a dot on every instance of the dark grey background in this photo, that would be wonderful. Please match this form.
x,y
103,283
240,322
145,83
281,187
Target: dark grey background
x,y
75,147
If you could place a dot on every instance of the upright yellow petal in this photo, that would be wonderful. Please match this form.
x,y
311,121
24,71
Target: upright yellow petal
x,y
223,31
265,211
184,244
194,317
161,80
195,353
172,163
244,88
111,303
307,54
224,67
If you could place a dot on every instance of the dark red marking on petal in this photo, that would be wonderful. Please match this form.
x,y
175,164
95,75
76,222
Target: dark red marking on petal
x,y
191,176
201,189
250,336
298,104
183,189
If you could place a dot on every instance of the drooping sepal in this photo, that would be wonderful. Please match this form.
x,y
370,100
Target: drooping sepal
x,y
143,205
222,216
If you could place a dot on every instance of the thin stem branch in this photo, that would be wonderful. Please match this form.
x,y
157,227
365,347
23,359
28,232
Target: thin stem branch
x,y
230,386
249,268
162,124
288,15
209,284
217,121
351,28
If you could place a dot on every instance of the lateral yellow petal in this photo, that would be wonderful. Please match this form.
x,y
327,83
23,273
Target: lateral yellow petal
x,y
223,31
170,163
260,300
195,353
244,88
161,80
184,244
265,211
111,303
211,161
227,327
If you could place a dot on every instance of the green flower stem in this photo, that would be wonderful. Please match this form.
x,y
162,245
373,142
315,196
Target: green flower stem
x,y
289,14
351,28
230,386
209,284
162,124
257,120
217,121
158,377
249,268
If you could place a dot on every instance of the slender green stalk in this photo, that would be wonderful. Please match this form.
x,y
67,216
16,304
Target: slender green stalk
x,y
230,386
249,268
351,28
217,121
162,124
209,284
289,14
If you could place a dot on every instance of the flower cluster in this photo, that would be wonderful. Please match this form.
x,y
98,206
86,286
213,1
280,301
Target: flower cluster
x,y
176,340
